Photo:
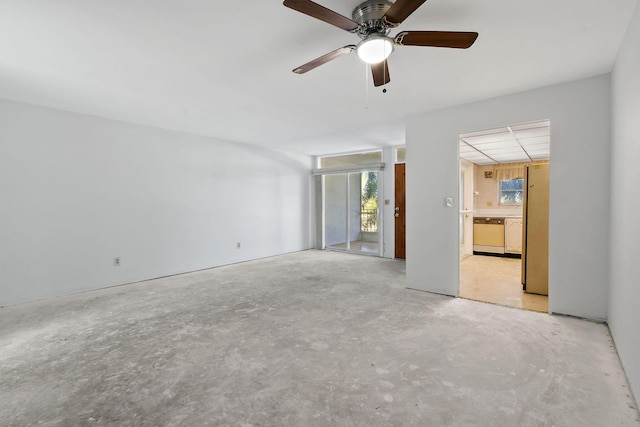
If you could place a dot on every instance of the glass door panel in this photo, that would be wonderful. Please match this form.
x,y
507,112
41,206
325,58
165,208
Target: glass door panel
x,y
335,212
367,238
351,212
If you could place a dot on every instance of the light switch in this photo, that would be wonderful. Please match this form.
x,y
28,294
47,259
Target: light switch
x,y
448,202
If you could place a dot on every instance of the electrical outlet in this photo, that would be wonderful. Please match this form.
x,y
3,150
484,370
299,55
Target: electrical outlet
x,y
116,261
238,245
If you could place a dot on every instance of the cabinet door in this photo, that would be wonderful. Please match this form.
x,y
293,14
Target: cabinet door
x,y
513,236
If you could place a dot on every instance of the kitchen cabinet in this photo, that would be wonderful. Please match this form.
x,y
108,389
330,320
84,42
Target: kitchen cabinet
x,y
513,235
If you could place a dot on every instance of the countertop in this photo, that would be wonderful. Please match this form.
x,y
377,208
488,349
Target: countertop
x,y
497,213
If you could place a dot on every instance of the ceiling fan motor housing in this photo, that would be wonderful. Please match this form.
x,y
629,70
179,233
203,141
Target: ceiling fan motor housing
x,y
369,15
372,22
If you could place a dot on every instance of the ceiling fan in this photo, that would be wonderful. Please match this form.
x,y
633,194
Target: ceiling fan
x,y
372,22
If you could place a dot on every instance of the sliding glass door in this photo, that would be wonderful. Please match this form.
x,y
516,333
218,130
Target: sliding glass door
x,y
335,211
351,212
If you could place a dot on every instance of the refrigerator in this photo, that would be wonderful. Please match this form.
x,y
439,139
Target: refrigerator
x,y
535,230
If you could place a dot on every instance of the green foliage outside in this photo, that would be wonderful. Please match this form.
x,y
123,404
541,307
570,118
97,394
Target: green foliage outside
x,y
369,201
511,191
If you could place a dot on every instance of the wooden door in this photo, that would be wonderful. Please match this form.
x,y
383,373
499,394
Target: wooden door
x,y
400,220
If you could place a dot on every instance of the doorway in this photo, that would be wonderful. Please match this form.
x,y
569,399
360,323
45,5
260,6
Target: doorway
x,y
493,165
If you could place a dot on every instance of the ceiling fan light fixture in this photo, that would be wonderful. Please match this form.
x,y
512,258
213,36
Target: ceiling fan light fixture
x,y
375,49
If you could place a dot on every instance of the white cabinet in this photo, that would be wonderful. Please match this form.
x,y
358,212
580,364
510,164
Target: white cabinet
x,y
513,235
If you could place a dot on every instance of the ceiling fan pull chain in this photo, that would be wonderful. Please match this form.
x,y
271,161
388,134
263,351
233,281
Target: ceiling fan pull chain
x,y
367,68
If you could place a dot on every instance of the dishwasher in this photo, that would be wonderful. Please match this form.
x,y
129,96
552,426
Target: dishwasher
x,y
488,235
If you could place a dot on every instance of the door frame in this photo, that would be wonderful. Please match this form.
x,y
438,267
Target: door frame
x,y
524,218
466,207
320,210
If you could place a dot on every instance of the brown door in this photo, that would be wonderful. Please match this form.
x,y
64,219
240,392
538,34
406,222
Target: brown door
x,y
399,212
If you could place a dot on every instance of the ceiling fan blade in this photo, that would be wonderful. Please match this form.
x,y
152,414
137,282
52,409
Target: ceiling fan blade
x,y
454,39
380,73
323,59
322,13
400,10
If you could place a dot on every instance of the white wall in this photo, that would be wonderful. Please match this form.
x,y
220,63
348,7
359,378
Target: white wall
x,y
579,196
79,190
624,300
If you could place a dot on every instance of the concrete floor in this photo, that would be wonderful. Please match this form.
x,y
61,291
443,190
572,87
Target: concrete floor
x,y
306,339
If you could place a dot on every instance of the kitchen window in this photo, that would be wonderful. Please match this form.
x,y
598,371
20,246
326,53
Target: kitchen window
x,y
510,191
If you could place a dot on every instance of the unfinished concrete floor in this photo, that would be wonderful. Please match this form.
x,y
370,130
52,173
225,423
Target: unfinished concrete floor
x,y
306,339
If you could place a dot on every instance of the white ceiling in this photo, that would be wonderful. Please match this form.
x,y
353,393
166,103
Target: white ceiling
x,y
223,69
518,143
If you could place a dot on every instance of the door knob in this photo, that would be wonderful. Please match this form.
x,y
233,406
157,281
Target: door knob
x,y
397,215
397,208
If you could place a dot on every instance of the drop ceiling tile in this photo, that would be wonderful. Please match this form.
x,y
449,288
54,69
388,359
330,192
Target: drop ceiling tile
x,y
470,151
533,142
483,139
536,140
510,159
485,162
532,133
467,149
539,157
538,152
484,132
532,125
504,151
507,156
537,148
478,159
494,145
